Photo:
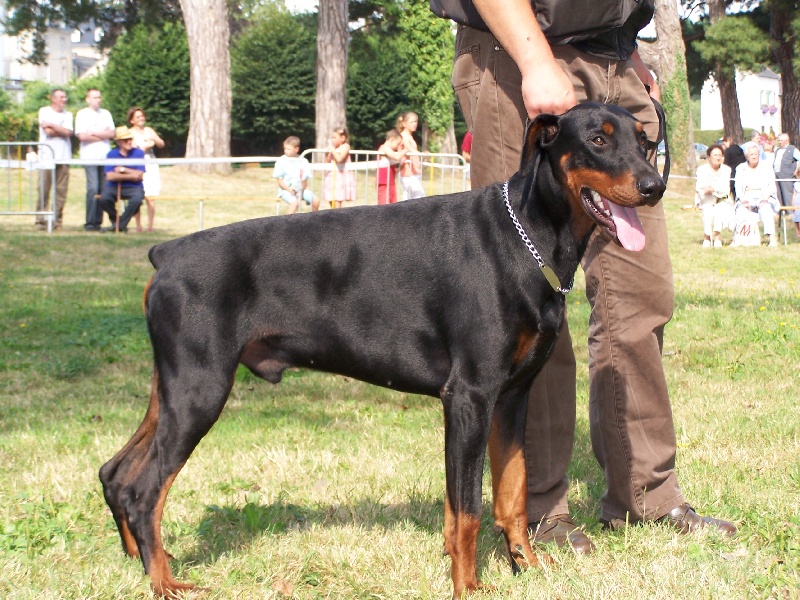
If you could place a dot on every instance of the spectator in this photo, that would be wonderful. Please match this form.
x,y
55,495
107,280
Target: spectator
x,y
145,138
756,139
734,156
768,154
755,193
787,158
94,128
123,182
55,130
393,154
293,173
796,202
506,71
339,184
410,168
713,196
466,153
466,147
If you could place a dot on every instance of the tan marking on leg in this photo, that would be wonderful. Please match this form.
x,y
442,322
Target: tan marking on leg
x,y
449,525
161,579
134,451
510,490
463,551
144,294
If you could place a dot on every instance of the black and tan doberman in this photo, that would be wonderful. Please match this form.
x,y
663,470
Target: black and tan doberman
x,y
458,297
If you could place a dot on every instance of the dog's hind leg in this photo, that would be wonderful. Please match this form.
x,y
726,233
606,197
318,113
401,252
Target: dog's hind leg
x,y
509,480
125,464
190,402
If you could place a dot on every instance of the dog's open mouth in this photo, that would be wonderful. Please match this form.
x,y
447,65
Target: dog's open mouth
x,y
622,223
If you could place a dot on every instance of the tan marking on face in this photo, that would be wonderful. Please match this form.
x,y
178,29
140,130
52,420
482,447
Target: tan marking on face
x,y
581,223
608,128
620,189
639,127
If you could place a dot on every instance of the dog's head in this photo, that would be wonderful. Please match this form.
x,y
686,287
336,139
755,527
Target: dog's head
x,y
597,154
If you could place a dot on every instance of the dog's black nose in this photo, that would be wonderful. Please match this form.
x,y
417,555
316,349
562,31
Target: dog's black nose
x,y
651,188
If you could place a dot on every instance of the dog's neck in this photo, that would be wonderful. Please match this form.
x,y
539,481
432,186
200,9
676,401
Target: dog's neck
x,y
545,214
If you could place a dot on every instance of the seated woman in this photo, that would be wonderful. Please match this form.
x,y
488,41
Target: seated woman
x,y
713,196
756,199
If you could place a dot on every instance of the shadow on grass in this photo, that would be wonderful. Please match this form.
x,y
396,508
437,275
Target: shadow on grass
x,y
233,529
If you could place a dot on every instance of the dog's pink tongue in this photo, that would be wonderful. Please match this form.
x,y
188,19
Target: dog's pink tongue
x,y
629,227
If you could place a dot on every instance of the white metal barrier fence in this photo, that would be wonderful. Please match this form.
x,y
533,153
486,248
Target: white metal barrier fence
x,y
26,166
441,173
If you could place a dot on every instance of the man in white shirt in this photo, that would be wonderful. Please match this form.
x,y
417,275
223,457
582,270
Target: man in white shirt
x,y
94,128
55,130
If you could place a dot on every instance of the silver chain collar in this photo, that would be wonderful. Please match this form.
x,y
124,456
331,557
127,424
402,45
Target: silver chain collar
x,y
549,274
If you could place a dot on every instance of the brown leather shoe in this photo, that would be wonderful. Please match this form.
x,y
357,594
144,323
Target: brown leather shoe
x,y
561,530
685,520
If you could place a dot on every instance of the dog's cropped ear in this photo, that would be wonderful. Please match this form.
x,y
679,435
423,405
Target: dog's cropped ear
x,y
540,134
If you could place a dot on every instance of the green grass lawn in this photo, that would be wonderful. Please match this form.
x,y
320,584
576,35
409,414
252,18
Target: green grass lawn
x,y
324,487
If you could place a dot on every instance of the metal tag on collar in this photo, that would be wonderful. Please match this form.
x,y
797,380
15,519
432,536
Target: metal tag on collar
x,y
548,273
552,278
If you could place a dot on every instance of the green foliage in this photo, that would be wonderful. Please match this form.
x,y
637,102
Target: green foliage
x,y
677,106
376,88
429,48
18,127
273,75
735,42
697,69
35,95
150,68
795,29
6,102
707,136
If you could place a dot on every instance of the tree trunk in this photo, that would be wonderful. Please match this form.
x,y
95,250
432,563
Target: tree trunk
x,y
781,14
210,66
331,68
674,86
440,144
731,113
726,83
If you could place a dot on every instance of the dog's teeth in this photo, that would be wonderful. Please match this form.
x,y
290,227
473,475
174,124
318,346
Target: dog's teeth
x,y
607,213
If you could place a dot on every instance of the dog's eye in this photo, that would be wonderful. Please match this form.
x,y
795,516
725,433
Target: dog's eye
x,y
598,141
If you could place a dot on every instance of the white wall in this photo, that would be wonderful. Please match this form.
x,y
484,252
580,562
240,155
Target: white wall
x,y
752,90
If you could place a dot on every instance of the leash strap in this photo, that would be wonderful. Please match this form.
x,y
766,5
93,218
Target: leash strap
x,y
548,273
662,135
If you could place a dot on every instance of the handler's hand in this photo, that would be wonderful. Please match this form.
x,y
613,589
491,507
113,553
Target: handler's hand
x,y
546,88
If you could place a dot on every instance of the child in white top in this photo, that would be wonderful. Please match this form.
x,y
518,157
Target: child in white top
x,y
293,173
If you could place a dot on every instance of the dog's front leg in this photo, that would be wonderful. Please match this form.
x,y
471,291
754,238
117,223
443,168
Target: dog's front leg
x,y
466,418
509,478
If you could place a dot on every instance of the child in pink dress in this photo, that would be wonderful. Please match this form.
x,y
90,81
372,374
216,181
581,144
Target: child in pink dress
x,y
339,184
